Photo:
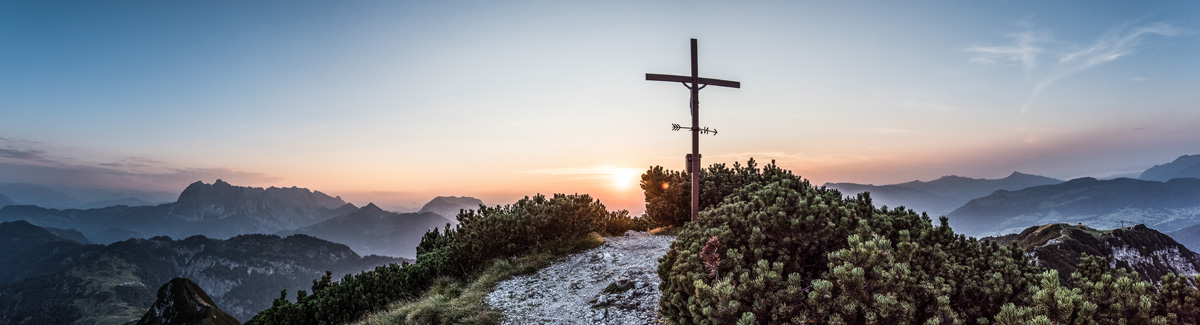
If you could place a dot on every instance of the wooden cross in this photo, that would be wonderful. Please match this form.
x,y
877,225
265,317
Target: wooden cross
x,y
695,83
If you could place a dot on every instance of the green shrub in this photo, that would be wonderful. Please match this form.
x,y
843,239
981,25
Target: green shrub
x,y
558,224
791,253
668,192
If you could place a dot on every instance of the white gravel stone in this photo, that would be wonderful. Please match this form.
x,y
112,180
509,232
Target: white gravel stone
x,y
571,291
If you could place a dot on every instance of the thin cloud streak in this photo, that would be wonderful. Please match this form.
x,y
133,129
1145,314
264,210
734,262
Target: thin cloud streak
x,y
35,163
1024,52
1119,42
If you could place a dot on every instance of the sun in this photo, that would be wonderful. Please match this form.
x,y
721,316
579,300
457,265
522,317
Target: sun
x,y
624,178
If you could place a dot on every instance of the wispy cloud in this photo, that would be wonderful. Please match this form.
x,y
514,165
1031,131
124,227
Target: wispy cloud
x,y
1029,44
21,150
33,162
1024,51
33,155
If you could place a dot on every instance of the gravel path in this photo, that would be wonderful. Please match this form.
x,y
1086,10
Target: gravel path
x,y
616,283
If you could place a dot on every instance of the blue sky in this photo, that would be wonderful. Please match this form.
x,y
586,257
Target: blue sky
x,y
399,102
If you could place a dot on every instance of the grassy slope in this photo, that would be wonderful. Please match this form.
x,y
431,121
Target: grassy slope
x,y
454,301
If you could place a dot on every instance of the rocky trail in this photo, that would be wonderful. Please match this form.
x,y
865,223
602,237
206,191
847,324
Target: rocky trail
x,y
616,283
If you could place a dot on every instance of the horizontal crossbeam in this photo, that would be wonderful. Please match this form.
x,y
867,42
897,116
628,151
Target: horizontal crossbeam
x,y
703,81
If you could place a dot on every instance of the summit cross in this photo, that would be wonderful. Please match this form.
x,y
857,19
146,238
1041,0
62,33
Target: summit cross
x,y
694,83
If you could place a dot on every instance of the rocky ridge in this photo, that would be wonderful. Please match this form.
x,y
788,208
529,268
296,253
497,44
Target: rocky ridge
x,y
616,283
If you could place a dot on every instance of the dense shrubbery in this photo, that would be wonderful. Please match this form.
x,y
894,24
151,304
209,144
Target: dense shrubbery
x,y
537,224
791,253
668,192
777,250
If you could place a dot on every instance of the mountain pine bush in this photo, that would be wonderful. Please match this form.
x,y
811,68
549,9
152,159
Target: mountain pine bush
x,y
792,253
531,225
668,192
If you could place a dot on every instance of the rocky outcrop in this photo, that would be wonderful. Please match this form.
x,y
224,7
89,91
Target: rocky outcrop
x,y
182,302
615,283
1146,251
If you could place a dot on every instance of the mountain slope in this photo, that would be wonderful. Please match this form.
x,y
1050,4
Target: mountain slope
x,y
371,230
108,285
1189,236
27,250
1182,167
942,195
181,301
1150,253
34,194
217,210
4,200
449,206
1099,203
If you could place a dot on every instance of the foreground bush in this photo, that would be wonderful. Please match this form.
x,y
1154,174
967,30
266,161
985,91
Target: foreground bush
x,y
668,192
786,252
529,226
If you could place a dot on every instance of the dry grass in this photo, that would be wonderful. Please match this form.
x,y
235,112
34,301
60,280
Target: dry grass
x,y
666,231
453,301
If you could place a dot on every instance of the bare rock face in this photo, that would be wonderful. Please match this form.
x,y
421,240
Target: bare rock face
x,y
181,301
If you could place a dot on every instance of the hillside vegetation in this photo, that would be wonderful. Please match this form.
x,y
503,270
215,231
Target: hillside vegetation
x,y
530,227
778,250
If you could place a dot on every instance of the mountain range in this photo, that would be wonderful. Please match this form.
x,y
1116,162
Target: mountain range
x,y
216,210
371,230
115,284
450,206
67,197
1166,206
1138,248
1187,166
940,196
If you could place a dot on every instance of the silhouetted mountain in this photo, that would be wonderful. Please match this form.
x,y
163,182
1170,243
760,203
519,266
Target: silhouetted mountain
x,y
28,250
1146,251
129,201
114,234
217,210
400,208
1105,204
69,234
4,200
108,284
449,206
1188,236
181,302
371,230
66,197
1183,167
942,195
39,195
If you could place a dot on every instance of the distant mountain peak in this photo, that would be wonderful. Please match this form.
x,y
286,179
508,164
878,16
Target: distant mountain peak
x,y
449,206
371,207
1186,166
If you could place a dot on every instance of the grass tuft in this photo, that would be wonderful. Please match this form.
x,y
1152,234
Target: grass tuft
x,y
666,231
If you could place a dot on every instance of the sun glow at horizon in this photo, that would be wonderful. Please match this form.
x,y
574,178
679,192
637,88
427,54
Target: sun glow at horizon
x,y
625,178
